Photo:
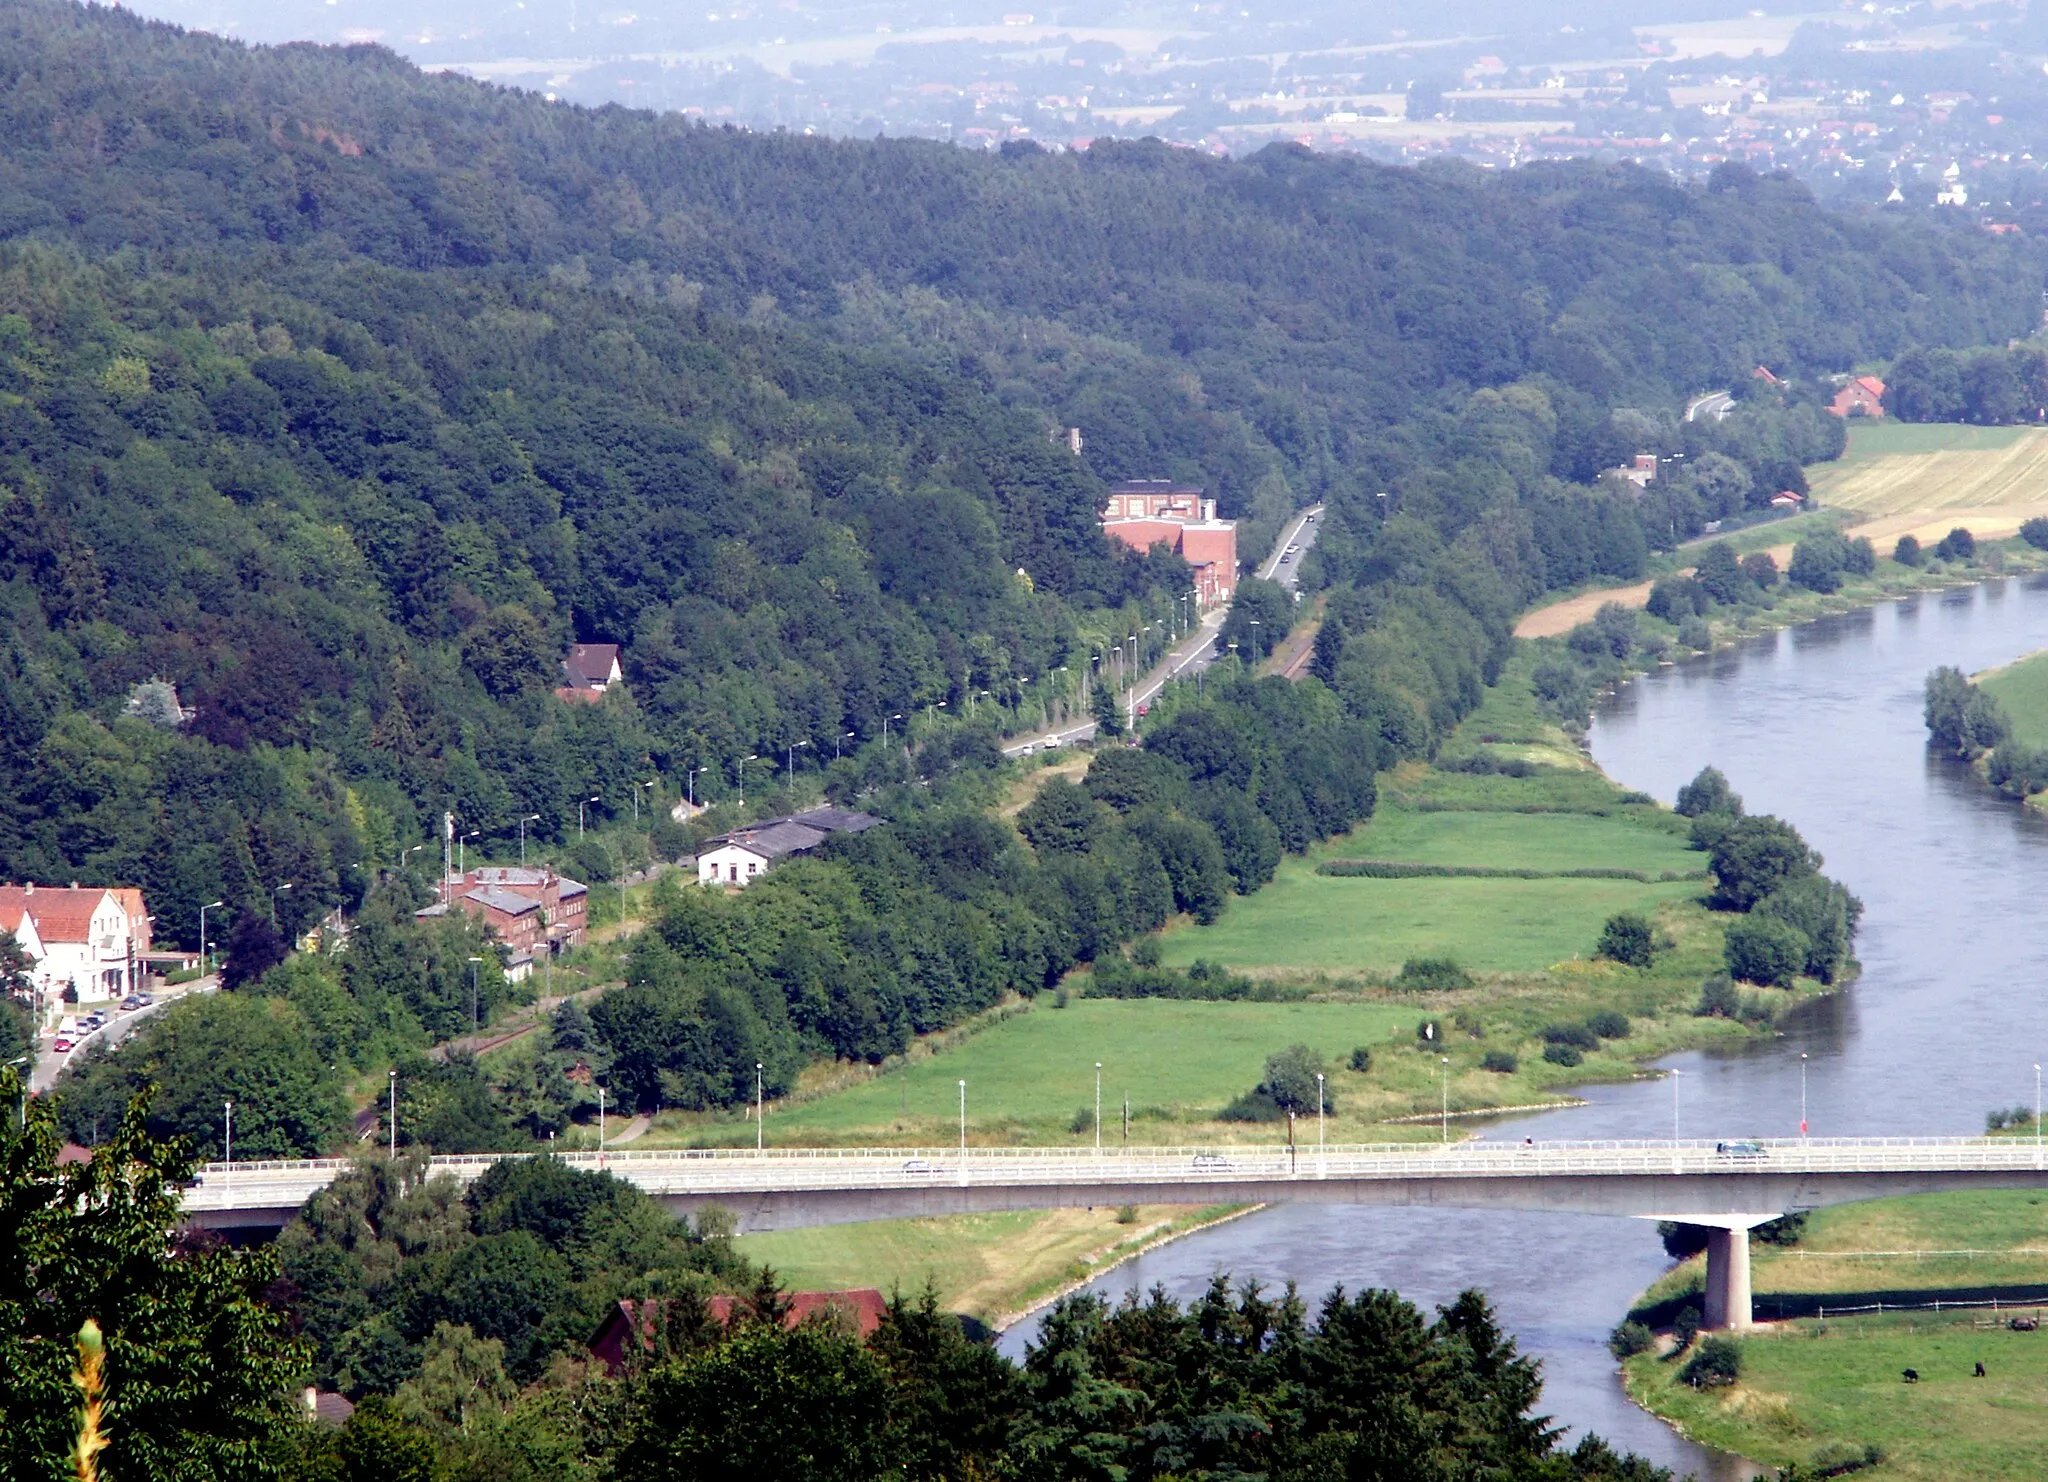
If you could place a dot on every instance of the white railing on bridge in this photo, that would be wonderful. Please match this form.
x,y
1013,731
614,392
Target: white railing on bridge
x,y
794,1170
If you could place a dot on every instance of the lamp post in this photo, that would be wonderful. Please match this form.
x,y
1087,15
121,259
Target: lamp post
x,y
1098,1106
1802,1093
1322,1143
1674,1094
529,818
752,756
394,1115
2037,1116
600,1127
276,891
228,1145
885,725
474,963
760,1140
693,786
792,764
462,853
206,957
1447,1100
580,806
636,797
963,1126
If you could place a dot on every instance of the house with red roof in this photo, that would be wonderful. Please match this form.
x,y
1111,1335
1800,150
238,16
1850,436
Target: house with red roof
x,y
1143,513
89,940
589,671
1861,397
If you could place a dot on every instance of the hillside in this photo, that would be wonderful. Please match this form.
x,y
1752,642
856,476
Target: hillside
x,y
343,397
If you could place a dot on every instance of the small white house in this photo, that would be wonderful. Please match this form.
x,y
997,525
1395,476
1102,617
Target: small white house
x,y
738,858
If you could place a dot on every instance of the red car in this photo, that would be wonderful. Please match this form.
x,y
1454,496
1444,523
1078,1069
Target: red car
x,y
62,1047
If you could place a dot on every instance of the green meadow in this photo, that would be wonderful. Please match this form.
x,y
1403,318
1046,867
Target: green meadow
x,y
2021,688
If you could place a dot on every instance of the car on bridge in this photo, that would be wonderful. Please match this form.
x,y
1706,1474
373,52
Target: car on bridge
x,y
921,1165
1211,1163
1741,1149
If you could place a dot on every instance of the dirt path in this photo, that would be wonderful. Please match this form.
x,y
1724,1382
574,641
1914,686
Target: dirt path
x,y
1559,618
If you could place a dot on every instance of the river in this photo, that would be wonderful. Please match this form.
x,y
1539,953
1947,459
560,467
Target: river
x,y
1821,725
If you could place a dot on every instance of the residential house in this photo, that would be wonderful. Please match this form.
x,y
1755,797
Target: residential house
x,y
1785,499
1143,513
90,940
737,858
589,671
1640,470
630,1323
1861,397
534,912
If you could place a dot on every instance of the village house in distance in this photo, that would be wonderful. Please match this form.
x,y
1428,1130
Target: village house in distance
x,y
1143,513
735,859
88,940
590,670
534,912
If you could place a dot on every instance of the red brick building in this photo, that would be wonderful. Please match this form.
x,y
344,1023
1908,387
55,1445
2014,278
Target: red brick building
x,y
1862,397
532,911
1143,513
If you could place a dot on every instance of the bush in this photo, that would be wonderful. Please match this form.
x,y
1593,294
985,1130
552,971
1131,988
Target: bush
x,y
1500,1062
1421,974
1708,792
1822,911
2002,1117
1763,949
1840,1458
1958,545
1717,1364
1083,1123
1686,1326
1761,568
1627,939
1291,1084
1756,856
1718,999
1566,1055
1681,1241
1060,998
1630,1339
1676,598
1127,1214
1609,1024
1429,1033
1695,634
2035,533
1580,1036
1145,951
1361,1059
1861,559
1785,1230
1907,551
1819,561
1962,719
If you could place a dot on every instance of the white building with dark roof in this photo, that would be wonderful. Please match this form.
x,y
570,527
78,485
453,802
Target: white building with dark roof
x,y
738,858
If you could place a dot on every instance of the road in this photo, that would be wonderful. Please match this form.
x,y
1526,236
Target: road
x,y
1195,652
1711,407
49,1065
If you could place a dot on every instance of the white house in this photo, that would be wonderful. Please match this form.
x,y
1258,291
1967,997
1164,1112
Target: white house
x,y
89,938
735,859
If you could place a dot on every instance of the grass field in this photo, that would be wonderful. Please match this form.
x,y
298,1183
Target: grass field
x,y
990,1266
1810,1386
1924,478
2021,688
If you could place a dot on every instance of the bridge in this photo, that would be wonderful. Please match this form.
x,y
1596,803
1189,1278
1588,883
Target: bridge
x,y
1727,1187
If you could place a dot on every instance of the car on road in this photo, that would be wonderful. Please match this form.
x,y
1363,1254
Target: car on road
x,y
1744,1149
61,1046
1211,1163
921,1165
1292,547
133,1002
1285,557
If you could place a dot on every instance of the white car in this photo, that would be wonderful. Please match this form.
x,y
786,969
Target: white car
x,y
921,1165
1211,1163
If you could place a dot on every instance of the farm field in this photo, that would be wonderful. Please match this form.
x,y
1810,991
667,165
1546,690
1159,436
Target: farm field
x,y
1924,479
1812,1392
989,1266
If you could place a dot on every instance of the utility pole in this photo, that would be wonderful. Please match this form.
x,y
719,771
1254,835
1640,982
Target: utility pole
x,y
206,947
394,1115
1098,1106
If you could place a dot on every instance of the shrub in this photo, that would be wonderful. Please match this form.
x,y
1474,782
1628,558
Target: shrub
x,y
1763,949
1718,999
1361,1059
1681,1241
1676,598
1083,1123
1626,939
1145,952
1840,1458
1696,634
1861,559
1686,1326
1580,1036
1566,1055
1500,1062
1420,974
1717,1364
1429,1033
2002,1117
1819,561
1630,1339
1822,911
1907,551
1958,545
1708,792
1761,568
1468,1023
2035,533
1609,1024
1786,1229
1061,998
1127,1214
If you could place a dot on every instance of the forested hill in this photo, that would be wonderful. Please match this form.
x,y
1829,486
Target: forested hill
x,y
343,397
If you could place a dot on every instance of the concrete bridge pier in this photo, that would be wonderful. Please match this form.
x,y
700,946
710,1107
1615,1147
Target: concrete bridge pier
x,y
1728,1304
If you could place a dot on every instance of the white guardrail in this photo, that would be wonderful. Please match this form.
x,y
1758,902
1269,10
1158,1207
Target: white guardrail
x,y
793,1170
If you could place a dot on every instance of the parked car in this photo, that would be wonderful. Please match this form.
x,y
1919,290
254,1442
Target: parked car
x,y
144,999
1211,1163
1740,1149
921,1165
131,1003
62,1046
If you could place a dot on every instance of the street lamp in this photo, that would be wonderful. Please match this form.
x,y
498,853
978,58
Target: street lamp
x,y
760,1140
750,757
1447,1099
885,725
2037,1115
394,1114
1321,1142
839,743
275,892
529,818
636,797
1802,1093
1674,1093
228,1145
792,762
579,815
1098,1106
462,852
206,956
693,786
600,1127
474,962
963,1128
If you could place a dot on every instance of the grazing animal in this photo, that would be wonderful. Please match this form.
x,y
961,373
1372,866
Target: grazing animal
x,y
1912,1376
1980,1369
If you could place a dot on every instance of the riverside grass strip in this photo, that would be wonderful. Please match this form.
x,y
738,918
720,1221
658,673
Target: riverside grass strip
x,y
1388,869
